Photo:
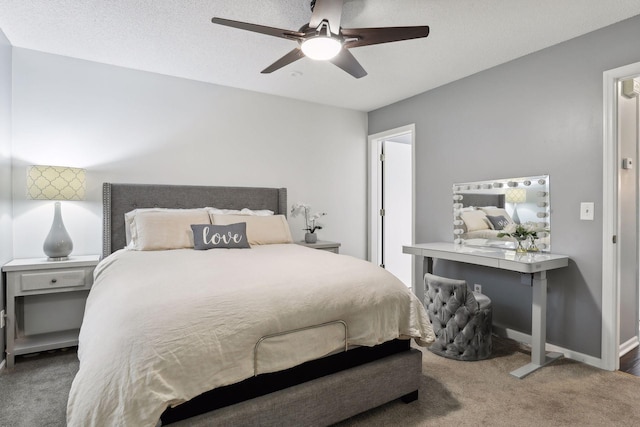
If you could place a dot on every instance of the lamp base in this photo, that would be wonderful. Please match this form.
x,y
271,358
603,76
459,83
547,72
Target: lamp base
x,y
58,258
58,245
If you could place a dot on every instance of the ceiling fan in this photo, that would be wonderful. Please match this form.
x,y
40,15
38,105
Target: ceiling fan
x,y
324,39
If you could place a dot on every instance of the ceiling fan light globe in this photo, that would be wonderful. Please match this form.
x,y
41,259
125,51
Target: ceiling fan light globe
x,y
321,48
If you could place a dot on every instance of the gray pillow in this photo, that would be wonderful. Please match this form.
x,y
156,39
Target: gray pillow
x,y
208,236
498,222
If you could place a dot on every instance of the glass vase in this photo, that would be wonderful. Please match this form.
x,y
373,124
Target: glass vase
x,y
520,246
532,245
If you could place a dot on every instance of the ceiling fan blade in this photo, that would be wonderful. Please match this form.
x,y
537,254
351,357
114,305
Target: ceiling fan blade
x,y
290,57
270,31
369,36
349,63
331,10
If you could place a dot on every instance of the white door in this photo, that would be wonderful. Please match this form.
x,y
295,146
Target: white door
x,y
396,206
391,200
628,128
611,220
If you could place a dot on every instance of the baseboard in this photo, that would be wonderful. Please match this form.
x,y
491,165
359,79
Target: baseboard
x,y
626,347
512,334
521,337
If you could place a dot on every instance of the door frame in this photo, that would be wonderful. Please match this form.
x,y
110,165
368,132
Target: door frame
x,y
373,147
610,344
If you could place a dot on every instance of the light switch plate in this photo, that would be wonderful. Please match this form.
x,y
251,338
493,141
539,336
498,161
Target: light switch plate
x,y
586,211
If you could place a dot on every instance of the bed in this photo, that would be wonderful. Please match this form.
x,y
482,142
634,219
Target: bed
x,y
219,335
483,216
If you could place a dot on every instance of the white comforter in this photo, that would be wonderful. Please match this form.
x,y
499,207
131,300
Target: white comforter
x,y
163,327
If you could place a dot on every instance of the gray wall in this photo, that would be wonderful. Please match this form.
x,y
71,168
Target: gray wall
x,y
6,235
538,114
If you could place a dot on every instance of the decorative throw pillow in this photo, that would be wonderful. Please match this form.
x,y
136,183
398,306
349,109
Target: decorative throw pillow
x,y
208,236
496,212
475,220
498,222
261,230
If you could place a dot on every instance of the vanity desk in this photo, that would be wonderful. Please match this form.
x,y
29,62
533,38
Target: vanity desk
x,y
533,266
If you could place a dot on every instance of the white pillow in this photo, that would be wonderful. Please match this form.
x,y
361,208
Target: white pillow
x,y
261,230
128,220
244,211
475,220
160,229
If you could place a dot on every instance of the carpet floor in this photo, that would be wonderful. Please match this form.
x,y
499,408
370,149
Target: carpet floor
x,y
565,393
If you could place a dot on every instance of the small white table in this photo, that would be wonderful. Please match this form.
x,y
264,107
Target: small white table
x,y
323,245
534,264
33,278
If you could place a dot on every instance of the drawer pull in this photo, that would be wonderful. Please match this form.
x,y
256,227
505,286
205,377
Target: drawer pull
x,y
54,280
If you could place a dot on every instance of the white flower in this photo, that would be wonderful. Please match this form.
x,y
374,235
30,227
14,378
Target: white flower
x,y
316,216
302,208
299,208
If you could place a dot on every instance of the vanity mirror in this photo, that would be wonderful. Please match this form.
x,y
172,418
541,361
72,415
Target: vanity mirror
x,y
484,209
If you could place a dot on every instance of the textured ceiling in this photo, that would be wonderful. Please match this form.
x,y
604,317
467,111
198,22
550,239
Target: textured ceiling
x,y
176,37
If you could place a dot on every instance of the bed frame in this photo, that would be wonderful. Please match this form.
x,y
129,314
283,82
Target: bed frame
x,y
319,392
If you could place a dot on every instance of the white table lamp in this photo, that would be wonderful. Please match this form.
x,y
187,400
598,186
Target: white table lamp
x,y
515,196
56,183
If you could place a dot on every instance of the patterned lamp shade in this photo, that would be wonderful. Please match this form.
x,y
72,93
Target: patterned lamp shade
x,y
55,183
516,195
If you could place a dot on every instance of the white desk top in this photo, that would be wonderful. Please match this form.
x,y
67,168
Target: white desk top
x,y
504,259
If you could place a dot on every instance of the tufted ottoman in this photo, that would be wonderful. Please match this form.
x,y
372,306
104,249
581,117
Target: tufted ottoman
x,y
460,318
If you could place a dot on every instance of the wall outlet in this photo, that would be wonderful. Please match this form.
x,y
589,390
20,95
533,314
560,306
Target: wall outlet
x,y
477,288
586,211
2,315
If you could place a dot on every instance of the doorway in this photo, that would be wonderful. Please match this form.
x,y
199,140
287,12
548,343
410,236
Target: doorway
x,y
628,257
619,272
392,198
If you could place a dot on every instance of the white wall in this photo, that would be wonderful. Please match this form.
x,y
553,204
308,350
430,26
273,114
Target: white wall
x,y
124,125
6,236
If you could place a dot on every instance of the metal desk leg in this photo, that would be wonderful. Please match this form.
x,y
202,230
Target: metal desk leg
x,y
427,267
539,357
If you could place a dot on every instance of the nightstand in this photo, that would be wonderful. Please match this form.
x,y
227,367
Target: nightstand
x,y
323,245
45,303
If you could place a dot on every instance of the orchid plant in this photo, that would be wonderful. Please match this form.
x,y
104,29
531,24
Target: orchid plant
x,y
521,231
302,208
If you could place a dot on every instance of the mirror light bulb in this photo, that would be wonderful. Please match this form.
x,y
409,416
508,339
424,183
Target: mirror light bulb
x,y
321,48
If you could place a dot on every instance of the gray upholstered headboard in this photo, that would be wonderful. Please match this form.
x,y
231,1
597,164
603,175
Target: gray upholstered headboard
x,y
478,199
119,199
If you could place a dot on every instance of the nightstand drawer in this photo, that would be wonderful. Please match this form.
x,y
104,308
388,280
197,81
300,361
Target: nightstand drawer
x,y
53,279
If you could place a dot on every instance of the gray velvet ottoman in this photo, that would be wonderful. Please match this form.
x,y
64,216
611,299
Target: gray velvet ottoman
x,y
460,318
